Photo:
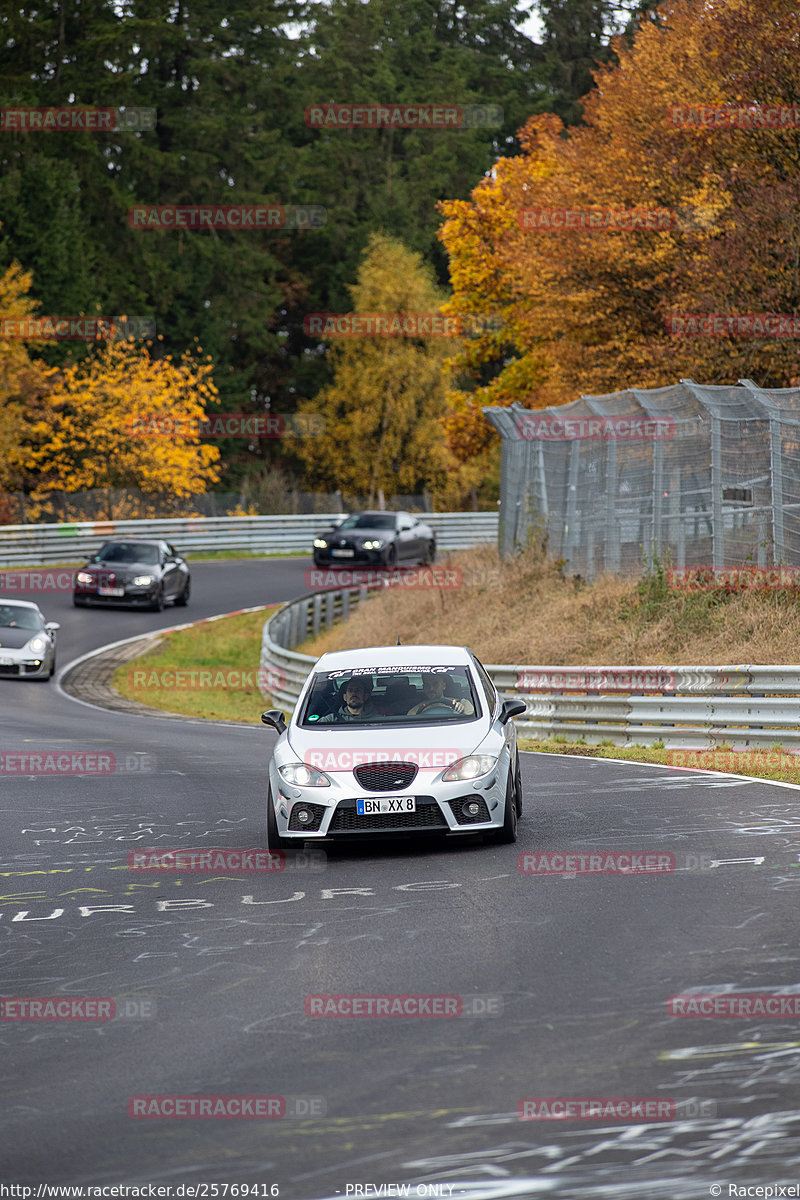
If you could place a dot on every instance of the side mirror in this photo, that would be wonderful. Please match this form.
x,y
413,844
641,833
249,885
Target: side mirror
x,y
52,626
275,718
512,708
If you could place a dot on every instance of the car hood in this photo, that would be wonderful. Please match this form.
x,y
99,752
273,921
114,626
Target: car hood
x,y
120,568
340,748
363,531
15,639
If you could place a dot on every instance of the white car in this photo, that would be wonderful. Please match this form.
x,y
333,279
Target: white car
x,y
27,641
395,740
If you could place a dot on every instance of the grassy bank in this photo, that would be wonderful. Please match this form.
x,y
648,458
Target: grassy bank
x,y
774,763
524,610
208,671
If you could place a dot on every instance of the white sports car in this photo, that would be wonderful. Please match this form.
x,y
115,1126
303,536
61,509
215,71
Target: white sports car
x,y
27,641
395,740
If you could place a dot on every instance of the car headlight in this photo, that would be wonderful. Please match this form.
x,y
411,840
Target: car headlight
x,y
320,544
375,544
142,580
37,644
299,775
85,577
471,767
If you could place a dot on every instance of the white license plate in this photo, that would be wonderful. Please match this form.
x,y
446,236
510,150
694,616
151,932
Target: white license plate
x,y
386,804
342,553
108,591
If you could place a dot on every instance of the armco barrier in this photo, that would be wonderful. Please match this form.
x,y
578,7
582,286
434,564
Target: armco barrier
x,y
690,707
28,545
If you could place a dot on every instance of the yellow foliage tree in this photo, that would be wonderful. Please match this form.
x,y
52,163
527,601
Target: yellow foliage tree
x,y
21,378
383,410
82,435
586,310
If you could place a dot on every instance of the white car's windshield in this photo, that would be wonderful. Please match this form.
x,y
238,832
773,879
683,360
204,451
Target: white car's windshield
x,y
12,617
391,695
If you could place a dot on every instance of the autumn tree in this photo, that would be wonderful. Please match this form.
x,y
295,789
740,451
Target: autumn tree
x,y
382,409
84,432
23,379
585,310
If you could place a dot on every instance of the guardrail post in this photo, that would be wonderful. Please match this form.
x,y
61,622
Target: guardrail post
x,y
317,602
329,598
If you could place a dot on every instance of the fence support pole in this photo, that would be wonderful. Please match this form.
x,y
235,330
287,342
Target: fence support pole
x,y
611,548
717,531
776,489
571,527
658,496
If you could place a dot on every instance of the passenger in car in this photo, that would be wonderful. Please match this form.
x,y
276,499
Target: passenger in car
x,y
356,704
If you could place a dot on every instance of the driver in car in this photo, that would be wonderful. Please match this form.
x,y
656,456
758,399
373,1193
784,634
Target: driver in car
x,y
433,689
356,705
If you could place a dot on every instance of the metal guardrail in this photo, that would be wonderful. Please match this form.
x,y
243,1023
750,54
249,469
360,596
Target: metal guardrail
x,y
27,545
693,707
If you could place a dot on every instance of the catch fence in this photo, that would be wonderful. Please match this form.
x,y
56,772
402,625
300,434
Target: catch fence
x,y
688,475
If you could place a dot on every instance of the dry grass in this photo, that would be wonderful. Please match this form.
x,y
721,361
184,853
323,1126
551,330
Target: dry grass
x,y
524,611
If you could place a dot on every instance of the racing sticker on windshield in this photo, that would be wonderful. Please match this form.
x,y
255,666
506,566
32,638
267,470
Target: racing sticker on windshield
x,y
354,672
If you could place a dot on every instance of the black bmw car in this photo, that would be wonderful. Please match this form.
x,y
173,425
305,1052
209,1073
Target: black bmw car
x,y
138,573
382,538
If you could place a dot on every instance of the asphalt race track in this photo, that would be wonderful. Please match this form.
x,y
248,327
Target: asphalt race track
x,y
572,973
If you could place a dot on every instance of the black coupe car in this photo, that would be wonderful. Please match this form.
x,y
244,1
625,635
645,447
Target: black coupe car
x,y
382,538
139,573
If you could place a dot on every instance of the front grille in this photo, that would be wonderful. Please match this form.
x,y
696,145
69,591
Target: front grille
x,y
385,777
317,812
465,818
15,670
347,820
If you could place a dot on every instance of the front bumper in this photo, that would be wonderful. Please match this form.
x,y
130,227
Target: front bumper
x,y
88,594
15,664
324,558
440,807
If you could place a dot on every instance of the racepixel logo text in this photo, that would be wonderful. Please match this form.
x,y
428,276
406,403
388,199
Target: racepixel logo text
x,y
328,758
227,216
544,427
265,679
742,1005
596,679
743,579
228,860
611,1108
403,116
76,329
225,1107
76,1008
351,1006
57,761
398,324
76,119
717,324
598,862
227,425
410,578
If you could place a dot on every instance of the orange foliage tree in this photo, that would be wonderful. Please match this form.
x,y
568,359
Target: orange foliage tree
x,y
80,434
586,310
